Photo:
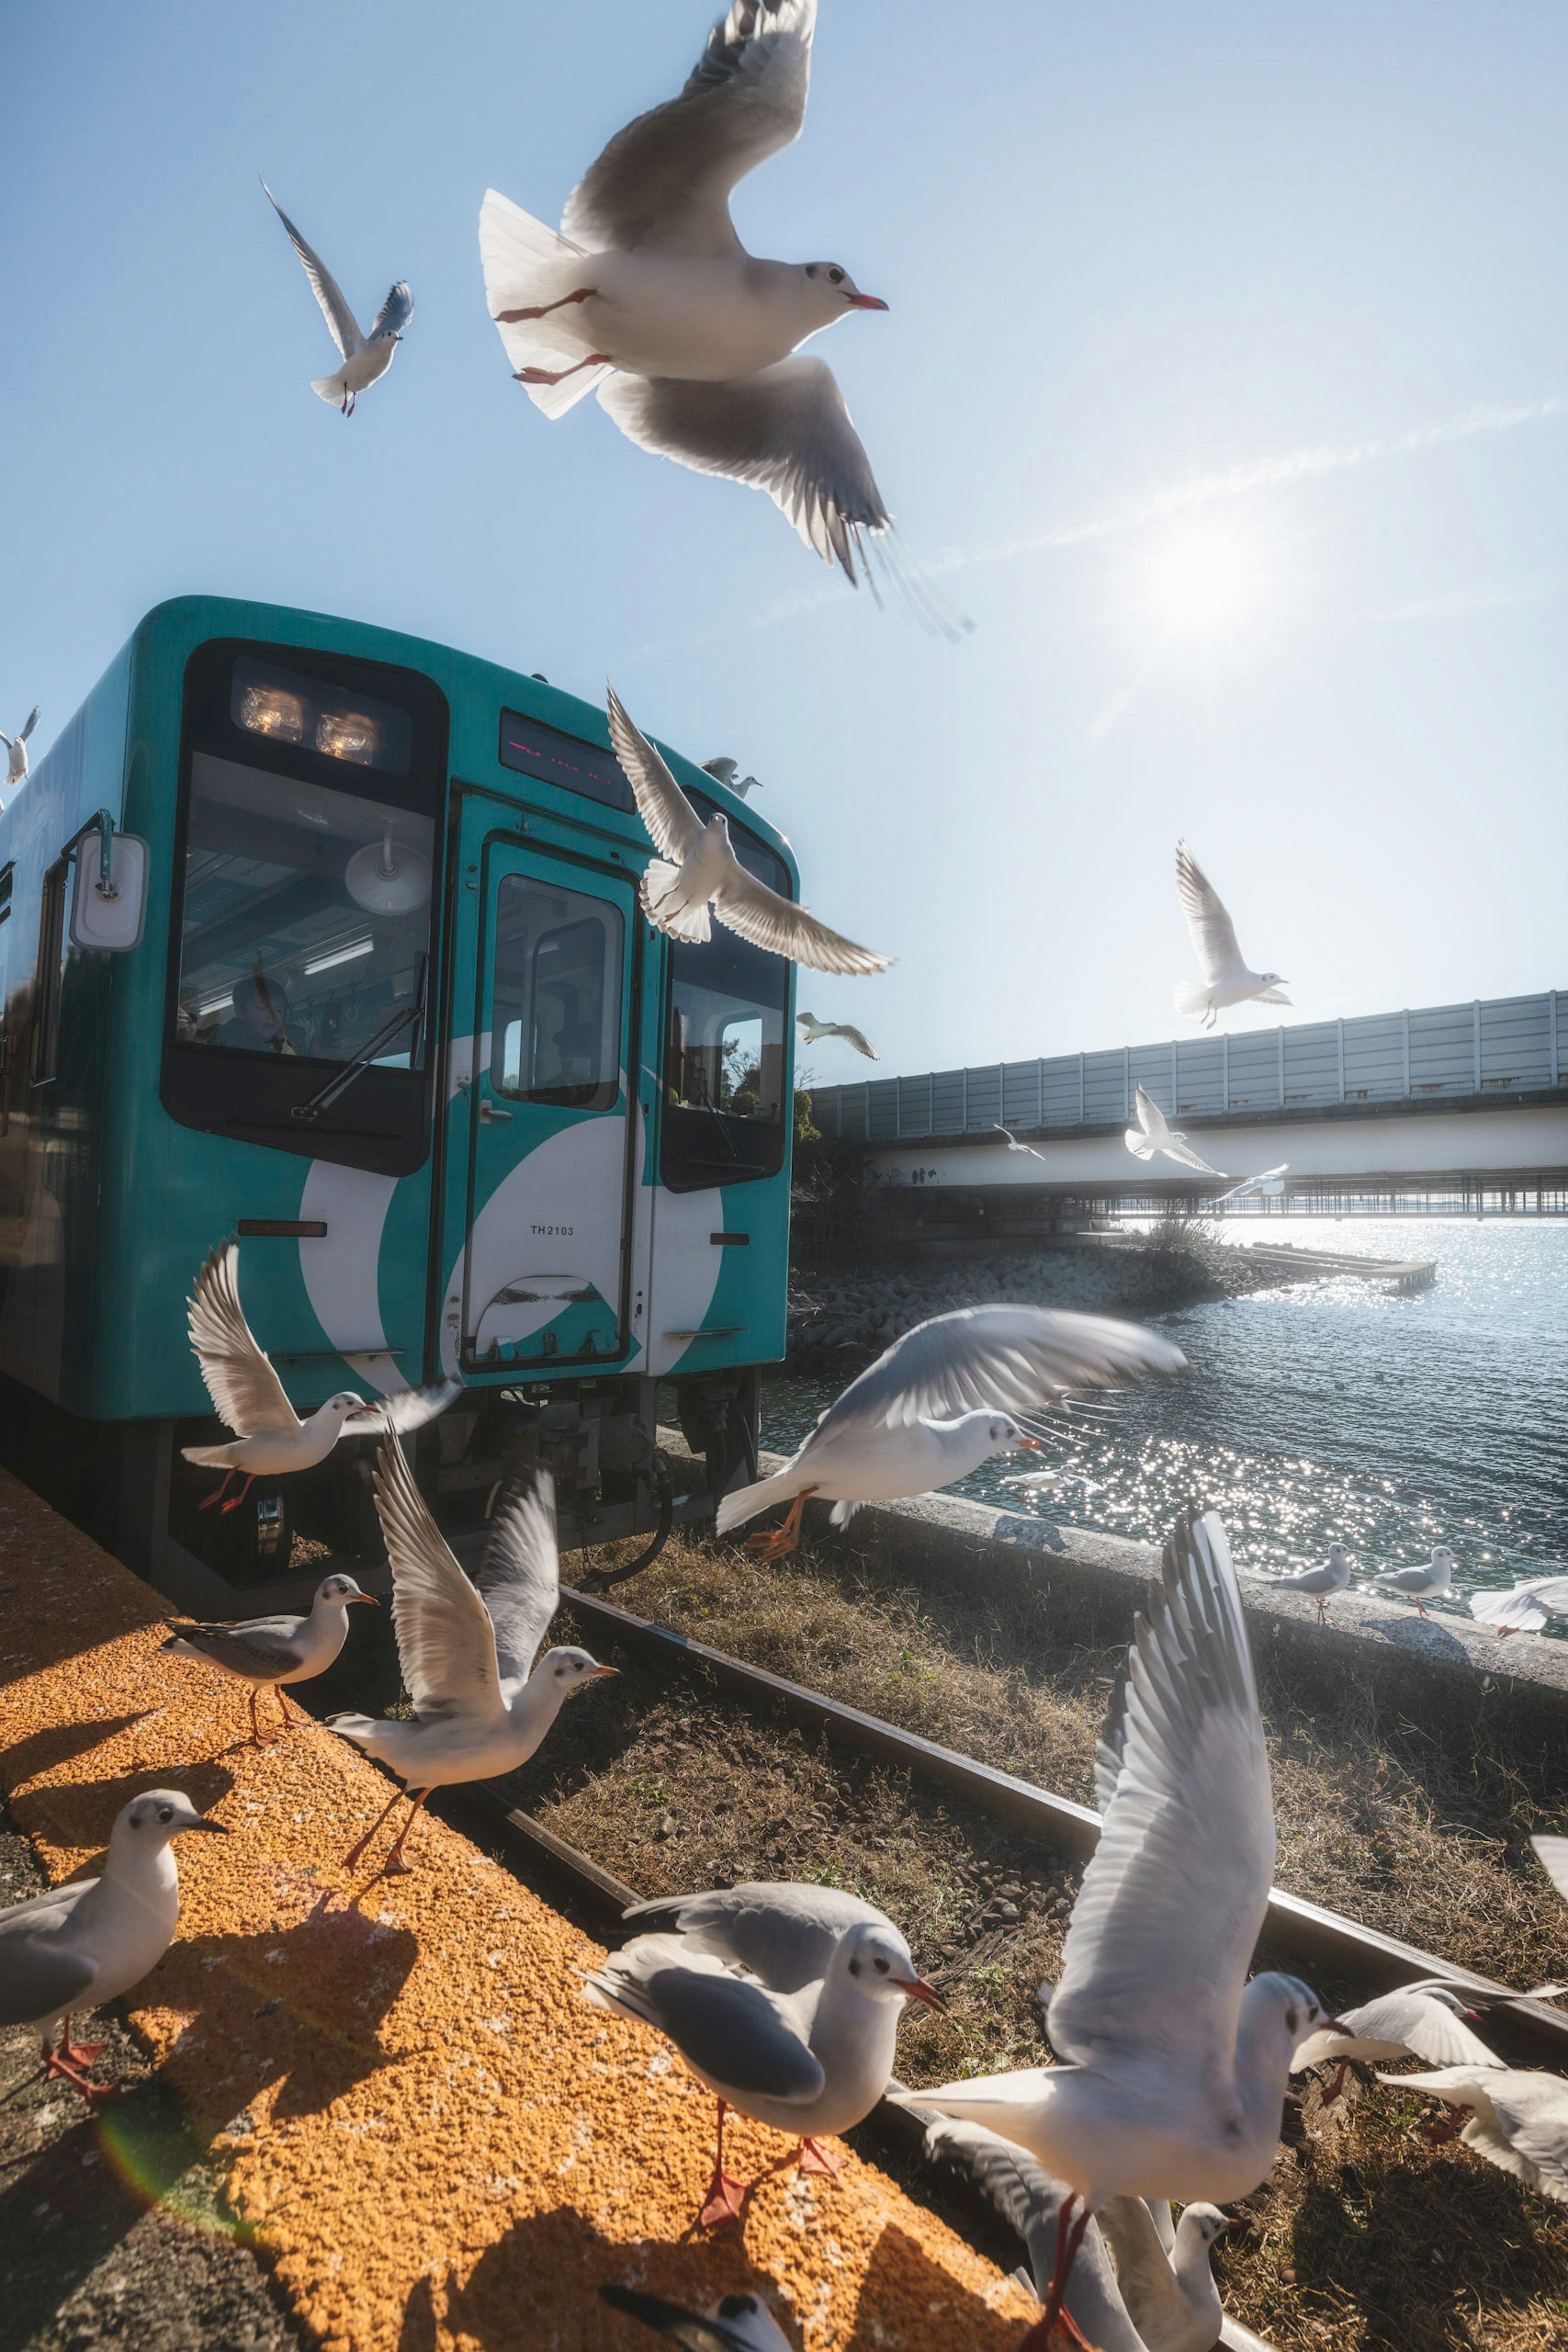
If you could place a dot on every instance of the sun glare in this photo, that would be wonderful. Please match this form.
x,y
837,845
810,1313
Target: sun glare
x,y
1203,584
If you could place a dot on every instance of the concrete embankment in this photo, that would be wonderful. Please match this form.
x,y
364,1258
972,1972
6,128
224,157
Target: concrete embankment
x,y
436,2142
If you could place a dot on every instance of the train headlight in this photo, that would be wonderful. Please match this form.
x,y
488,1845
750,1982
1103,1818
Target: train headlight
x,y
273,710
348,735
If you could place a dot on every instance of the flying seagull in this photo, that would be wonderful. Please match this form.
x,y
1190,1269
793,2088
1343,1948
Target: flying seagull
x,y
1173,2067
1270,1184
1014,1145
697,867
267,1652
727,773
17,749
85,1943
1225,977
466,1648
365,357
648,278
1518,2121
1525,1609
940,1401
1153,1134
814,1031
1422,2021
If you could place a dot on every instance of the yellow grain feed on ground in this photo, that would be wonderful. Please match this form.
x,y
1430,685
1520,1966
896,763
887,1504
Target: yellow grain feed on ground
x,y
434,2138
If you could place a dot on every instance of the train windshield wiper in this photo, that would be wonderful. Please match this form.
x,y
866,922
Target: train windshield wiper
x,y
409,1017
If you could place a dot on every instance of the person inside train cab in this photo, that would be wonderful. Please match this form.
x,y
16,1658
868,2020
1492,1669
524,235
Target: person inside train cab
x,y
260,1021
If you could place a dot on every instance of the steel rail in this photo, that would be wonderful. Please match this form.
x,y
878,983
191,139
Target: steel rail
x,y
1295,1929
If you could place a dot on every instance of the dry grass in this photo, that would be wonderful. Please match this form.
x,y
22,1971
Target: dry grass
x,y
1364,2236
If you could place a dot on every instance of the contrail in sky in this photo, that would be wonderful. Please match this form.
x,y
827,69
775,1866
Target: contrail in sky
x,y
1317,461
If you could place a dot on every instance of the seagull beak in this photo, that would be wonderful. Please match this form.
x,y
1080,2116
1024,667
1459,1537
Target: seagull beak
x,y
368,1597
919,1989
1335,2025
1235,2221
866,302
1029,1445
218,1829
599,1673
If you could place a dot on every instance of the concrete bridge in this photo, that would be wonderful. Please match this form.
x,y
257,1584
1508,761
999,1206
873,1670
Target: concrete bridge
x,y
1455,1106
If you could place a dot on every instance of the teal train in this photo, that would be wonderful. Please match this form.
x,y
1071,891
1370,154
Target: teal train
x,y
330,938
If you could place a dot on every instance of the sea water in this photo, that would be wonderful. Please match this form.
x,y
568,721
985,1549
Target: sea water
x,y
1334,1412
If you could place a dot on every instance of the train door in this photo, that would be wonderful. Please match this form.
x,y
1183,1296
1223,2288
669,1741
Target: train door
x,y
544,1281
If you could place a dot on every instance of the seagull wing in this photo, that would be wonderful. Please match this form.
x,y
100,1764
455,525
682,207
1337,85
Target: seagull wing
x,y
446,1640
1533,2110
1151,1117
729,2027
1163,1932
781,1932
246,1394
1187,1157
855,1037
663,185
262,1648
1005,1359
1407,2020
519,1582
404,1409
32,721
671,820
1552,1853
394,313
323,285
747,906
785,430
1213,935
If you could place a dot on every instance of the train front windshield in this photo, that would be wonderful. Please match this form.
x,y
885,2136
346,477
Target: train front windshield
x,y
305,919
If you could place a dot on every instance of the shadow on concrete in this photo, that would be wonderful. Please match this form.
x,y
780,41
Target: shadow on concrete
x,y
61,1743
82,1812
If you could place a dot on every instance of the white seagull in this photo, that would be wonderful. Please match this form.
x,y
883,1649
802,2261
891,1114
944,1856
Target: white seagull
x,y
1518,2120
366,358
737,2323
1174,2068
465,1648
84,1944
267,1652
270,1439
1418,1584
941,1401
1321,1583
649,278
814,1031
727,773
697,867
1420,2021
1526,1609
784,2001
1270,1184
1552,1853
17,749
1013,1143
1225,977
1153,1134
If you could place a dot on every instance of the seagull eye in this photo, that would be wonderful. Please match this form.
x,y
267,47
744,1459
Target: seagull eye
x,y
1291,2020
854,1968
881,1967
165,1813
837,276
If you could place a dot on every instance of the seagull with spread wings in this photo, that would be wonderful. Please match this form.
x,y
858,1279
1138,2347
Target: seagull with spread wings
x,y
648,278
814,1031
1014,1145
1154,1133
269,1438
1174,2068
366,358
1226,979
466,1647
17,749
727,771
697,868
941,1401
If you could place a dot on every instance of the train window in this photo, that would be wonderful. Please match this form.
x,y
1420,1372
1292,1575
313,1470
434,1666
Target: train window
x,y
555,1018
308,851
724,1040
47,980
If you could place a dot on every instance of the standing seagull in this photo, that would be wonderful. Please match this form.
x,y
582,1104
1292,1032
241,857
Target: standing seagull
x,y
1419,1584
366,358
1526,1609
1174,2068
1152,1134
1225,977
270,1438
697,867
1013,1143
465,1648
784,2001
1321,1583
267,1652
940,1401
814,1031
84,1944
727,773
17,749
648,277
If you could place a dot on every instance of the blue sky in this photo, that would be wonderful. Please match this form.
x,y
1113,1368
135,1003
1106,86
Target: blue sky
x,y
1221,388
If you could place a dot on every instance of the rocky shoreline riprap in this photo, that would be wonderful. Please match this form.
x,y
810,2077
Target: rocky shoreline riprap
x,y
839,1318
